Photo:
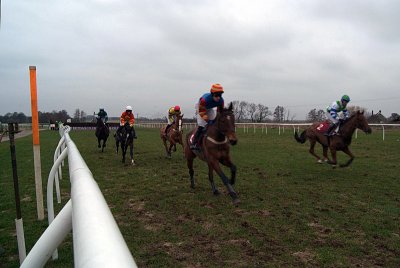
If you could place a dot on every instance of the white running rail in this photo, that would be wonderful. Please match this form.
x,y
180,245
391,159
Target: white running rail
x,y
97,240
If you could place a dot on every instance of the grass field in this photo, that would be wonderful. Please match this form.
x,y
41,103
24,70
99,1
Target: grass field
x,y
293,211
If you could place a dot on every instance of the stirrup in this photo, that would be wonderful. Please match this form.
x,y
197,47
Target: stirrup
x,y
194,147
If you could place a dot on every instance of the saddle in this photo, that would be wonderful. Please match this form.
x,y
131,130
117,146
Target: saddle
x,y
323,127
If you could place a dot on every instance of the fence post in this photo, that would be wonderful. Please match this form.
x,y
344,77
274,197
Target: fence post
x,y
36,144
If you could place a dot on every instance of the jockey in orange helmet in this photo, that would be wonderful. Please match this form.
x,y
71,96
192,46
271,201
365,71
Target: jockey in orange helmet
x,y
205,111
127,116
172,112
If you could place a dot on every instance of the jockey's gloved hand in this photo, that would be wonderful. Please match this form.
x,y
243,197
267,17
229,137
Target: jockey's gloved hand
x,y
210,122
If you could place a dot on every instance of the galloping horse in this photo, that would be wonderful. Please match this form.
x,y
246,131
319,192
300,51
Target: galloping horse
x,y
214,149
173,136
125,138
339,142
102,133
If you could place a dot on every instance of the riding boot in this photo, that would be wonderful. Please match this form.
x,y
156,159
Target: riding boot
x,y
134,133
196,138
166,130
331,127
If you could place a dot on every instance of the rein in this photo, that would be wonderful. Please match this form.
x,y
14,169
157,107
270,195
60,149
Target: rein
x,y
217,142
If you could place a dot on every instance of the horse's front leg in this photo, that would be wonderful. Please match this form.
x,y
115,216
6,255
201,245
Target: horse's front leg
x,y
117,146
347,151
211,179
189,163
228,163
166,147
124,148
171,145
98,143
215,165
334,161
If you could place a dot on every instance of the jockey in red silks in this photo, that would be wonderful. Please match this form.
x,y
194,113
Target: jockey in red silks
x,y
172,113
127,116
333,110
205,110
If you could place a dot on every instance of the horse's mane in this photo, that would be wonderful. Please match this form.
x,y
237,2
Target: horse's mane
x,y
355,114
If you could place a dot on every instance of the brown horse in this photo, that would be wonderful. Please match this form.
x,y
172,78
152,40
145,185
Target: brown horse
x,y
339,142
214,149
173,136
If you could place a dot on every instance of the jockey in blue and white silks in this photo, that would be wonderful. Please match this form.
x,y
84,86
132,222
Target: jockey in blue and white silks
x,y
333,110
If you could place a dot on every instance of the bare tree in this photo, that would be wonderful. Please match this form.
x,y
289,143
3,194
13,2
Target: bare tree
x,y
251,111
242,110
262,113
316,116
279,114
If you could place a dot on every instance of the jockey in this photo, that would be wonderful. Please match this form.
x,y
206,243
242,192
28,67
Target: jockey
x,y
205,111
127,116
102,114
333,110
172,113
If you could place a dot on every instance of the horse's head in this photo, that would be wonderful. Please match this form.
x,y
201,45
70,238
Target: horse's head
x,y
178,122
99,122
362,123
226,124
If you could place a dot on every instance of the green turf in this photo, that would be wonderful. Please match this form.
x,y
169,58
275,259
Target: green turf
x,y
293,211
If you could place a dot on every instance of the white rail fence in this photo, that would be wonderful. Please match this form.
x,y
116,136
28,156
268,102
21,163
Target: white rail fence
x,y
264,127
97,240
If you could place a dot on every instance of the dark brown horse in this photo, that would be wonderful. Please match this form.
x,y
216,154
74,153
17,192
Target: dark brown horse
x,y
173,136
102,133
125,138
339,142
214,149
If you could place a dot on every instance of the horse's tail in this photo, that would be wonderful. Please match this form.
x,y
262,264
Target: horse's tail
x,y
302,138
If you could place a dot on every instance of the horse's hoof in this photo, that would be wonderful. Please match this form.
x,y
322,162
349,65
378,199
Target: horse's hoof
x,y
133,162
320,161
334,166
216,192
236,201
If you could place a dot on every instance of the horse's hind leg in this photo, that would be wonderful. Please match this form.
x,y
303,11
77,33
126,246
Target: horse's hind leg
x,y
98,143
312,151
211,179
228,163
325,153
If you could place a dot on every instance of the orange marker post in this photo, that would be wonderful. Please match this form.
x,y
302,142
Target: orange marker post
x,y
36,143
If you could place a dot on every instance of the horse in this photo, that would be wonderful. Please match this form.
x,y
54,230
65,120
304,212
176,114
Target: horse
x,y
125,138
339,142
214,149
102,133
173,136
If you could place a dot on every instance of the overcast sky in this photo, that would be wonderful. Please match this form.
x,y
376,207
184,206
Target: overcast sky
x,y
156,54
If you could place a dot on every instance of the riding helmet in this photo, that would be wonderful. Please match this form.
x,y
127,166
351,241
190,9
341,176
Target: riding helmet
x,y
216,88
345,98
128,108
177,108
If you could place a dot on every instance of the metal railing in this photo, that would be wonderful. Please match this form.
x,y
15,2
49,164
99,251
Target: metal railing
x,y
97,240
